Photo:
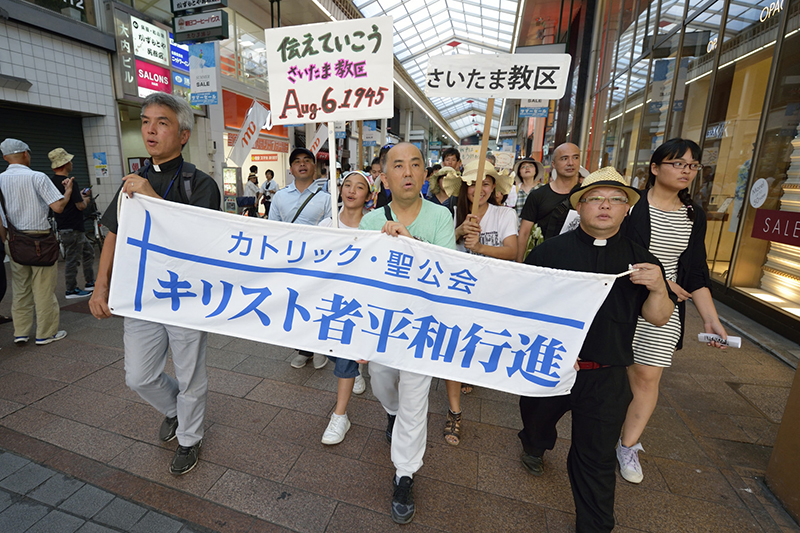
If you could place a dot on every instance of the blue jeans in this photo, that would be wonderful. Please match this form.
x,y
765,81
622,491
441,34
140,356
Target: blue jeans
x,y
344,368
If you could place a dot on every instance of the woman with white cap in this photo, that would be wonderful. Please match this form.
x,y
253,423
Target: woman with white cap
x,y
491,231
673,228
358,194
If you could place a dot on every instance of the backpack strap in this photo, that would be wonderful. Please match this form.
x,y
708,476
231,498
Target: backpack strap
x,y
388,212
188,173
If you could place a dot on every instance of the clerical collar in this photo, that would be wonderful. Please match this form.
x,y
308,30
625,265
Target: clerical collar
x,y
168,167
588,239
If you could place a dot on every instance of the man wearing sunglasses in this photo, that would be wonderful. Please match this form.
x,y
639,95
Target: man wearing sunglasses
x,y
600,396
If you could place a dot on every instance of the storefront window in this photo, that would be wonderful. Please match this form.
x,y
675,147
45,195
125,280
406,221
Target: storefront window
x,y
633,113
81,10
734,115
627,25
243,55
768,267
613,140
645,27
629,133
670,18
161,10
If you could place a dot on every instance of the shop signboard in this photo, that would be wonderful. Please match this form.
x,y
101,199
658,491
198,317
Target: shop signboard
x,y
150,42
151,78
183,5
202,74
199,27
126,65
535,108
263,157
331,71
542,76
340,128
179,55
777,226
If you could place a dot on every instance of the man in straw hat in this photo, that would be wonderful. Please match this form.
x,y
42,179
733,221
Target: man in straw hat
x,y
601,394
27,195
71,230
403,394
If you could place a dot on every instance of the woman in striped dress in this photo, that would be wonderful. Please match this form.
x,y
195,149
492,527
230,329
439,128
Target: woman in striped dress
x,y
672,228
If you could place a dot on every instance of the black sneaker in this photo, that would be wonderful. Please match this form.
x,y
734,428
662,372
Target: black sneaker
x,y
185,459
390,427
533,464
168,428
403,508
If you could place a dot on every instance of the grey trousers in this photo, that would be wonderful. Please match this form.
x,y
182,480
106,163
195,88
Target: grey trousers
x,y
77,250
146,346
404,394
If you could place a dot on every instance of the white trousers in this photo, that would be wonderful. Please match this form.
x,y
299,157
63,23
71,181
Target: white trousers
x,y
146,347
404,394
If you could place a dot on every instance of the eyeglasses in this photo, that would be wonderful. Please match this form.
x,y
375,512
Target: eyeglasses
x,y
681,165
599,200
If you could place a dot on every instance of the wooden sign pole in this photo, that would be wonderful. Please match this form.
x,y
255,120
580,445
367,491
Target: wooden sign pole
x,y
360,144
487,125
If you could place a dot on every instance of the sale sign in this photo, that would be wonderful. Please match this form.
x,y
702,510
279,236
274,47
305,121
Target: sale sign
x,y
151,78
331,71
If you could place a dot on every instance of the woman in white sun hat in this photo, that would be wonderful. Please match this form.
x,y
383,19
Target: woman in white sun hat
x,y
528,176
492,232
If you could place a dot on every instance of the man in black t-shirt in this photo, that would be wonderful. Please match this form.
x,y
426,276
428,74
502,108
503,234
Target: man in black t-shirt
x,y
70,228
600,396
166,126
540,203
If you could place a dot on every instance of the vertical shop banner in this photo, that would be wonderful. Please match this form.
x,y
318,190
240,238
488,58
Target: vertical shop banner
x,y
179,55
150,42
203,75
340,129
256,119
126,64
355,294
319,139
542,76
331,71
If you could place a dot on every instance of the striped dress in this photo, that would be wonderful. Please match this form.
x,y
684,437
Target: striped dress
x,y
669,237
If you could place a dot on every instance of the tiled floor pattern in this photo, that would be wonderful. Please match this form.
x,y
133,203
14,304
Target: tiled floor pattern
x,y
65,407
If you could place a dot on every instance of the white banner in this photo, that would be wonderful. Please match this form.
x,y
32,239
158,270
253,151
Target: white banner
x,y
331,71
256,119
498,75
355,294
319,139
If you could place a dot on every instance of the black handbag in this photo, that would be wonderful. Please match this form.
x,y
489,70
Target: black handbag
x,y
31,249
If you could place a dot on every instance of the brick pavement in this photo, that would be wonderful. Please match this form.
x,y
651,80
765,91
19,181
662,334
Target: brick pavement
x,y
65,408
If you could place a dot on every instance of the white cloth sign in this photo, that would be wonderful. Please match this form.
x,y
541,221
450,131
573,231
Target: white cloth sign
x,y
331,71
257,117
355,294
542,76
319,139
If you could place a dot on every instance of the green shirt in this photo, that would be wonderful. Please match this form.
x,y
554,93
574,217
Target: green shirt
x,y
433,224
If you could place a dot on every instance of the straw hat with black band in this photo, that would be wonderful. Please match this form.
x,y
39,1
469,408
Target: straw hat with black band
x,y
605,177
453,179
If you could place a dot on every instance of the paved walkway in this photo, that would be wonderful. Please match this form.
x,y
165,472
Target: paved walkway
x,y
65,408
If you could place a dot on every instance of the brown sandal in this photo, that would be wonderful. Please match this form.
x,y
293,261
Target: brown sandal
x,y
452,428
466,388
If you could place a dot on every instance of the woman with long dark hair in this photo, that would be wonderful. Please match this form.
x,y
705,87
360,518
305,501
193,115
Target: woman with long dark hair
x,y
673,228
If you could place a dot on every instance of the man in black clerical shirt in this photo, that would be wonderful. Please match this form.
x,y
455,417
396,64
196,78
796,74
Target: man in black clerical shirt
x,y
166,127
601,394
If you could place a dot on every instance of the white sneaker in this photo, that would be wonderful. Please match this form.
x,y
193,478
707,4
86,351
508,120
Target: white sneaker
x,y
320,361
629,466
336,430
299,361
360,385
57,337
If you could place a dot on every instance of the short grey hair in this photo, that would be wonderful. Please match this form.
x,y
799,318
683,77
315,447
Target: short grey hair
x,y
179,106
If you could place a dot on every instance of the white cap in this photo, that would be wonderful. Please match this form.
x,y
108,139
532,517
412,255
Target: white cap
x,y
13,146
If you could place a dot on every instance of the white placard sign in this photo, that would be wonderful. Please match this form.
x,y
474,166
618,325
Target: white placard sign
x,y
541,76
354,294
319,139
256,119
331,71
150,42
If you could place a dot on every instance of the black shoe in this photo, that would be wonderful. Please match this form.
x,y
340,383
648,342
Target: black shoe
x,y
168,428
533,464
390,427
185,459
403,508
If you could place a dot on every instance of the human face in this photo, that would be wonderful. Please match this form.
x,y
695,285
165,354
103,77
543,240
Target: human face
x,y
671,178
487,188
405,172
567,160
602,220
355,191
375,170
527,170
451,161
303,168
162,134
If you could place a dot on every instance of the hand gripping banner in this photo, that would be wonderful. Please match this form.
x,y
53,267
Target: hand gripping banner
x,y
355,294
